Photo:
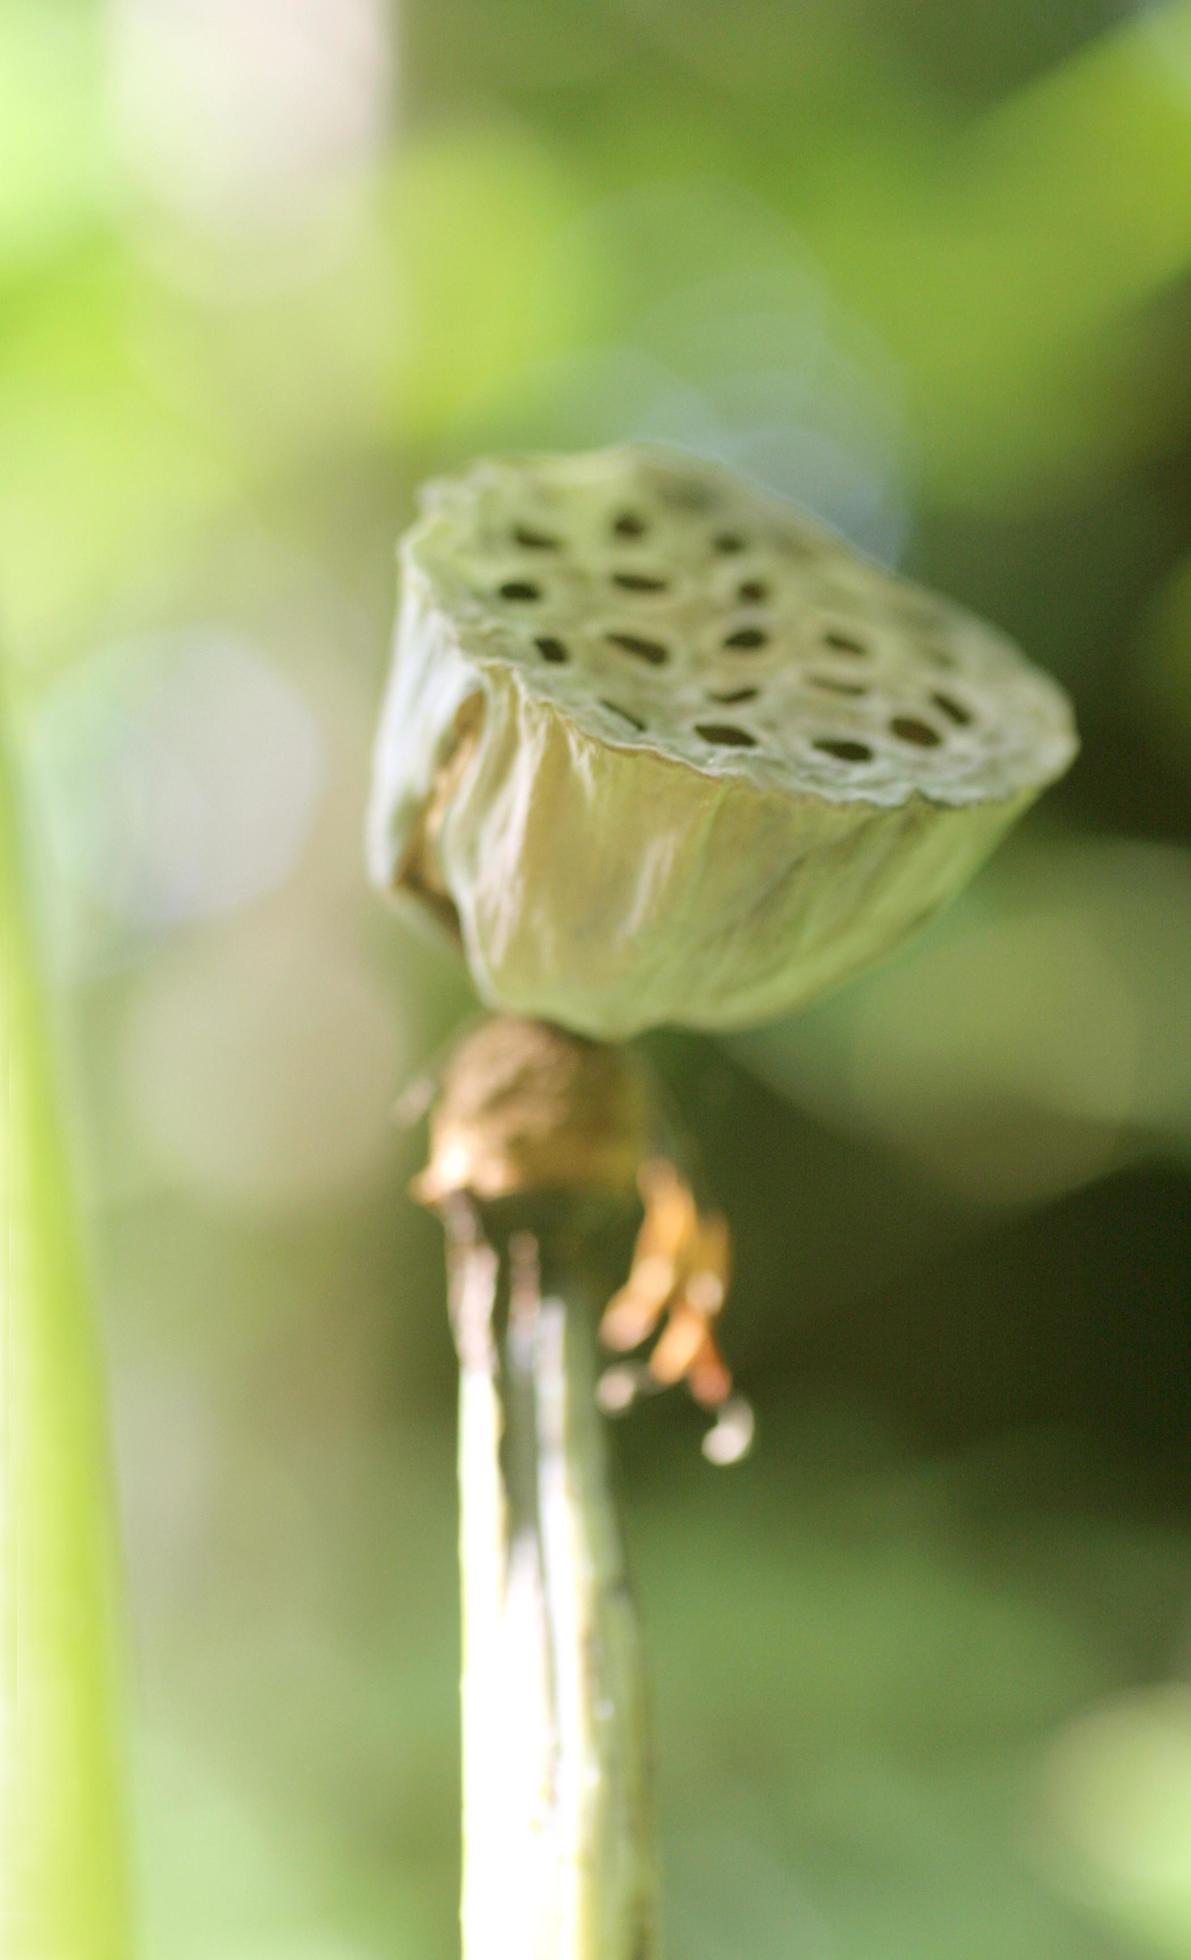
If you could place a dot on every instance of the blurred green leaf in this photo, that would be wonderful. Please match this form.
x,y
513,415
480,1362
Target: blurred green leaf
x,y
1117,1804
55,153
64,1880
471,222
1027,1041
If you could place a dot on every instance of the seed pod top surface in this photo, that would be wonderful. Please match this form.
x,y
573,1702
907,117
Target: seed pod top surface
x,y
663,749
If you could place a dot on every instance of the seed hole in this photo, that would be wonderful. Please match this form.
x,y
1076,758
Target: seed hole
x,y
629,525
535,540
724,732
832,686
938,657
752,592
733,695
728,542
638,582
844,751
844,643
642,649
552,650
624,715
953,709
747,638
908,728
520,588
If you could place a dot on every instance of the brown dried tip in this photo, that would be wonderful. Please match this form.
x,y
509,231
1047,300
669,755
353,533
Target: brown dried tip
x,y
681,1266
525,1108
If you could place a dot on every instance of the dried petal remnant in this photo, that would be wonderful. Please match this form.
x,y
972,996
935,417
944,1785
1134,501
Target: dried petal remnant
x,y
612,854
525,1109
680,1273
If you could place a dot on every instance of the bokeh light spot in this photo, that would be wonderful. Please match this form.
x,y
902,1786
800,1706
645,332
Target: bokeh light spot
x,y
182,773
257,1066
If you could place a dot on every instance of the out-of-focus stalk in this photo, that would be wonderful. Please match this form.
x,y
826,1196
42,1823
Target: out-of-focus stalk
x,y
559,1859
536,1139
64,1892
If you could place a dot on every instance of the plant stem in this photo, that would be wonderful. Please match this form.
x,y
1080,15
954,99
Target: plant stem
x,y
558,1840
63,1876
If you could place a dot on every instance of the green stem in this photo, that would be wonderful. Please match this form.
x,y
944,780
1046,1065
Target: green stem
x,y
558,1839
63,1875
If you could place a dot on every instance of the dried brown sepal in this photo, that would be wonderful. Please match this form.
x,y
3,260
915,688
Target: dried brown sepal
x,y
525,1108
679,1275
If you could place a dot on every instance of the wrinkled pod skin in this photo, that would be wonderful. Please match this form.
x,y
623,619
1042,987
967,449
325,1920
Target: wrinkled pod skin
x,y
705,803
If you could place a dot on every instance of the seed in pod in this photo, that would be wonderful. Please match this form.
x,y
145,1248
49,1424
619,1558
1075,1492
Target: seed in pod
x,y
661,749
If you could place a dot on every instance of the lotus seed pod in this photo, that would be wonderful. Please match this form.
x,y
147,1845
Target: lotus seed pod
x,y
660,749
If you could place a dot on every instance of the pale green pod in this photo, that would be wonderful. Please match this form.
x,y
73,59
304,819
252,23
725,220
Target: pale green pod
x,y
662,750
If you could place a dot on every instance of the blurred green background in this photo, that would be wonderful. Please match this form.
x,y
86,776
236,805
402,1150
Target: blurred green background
x,y
921,1663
